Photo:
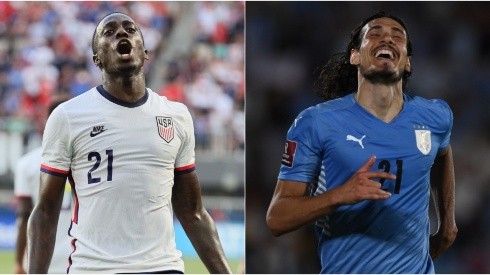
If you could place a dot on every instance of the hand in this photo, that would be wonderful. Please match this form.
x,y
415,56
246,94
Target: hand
x,y
361,186
442,240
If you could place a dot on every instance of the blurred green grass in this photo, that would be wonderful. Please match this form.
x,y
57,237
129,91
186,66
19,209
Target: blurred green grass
x,y
6,262
192,266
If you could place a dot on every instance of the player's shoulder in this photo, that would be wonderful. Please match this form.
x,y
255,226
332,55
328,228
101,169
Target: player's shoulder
x,y
437,106
172,106
322,114
329,106
78,101
435,112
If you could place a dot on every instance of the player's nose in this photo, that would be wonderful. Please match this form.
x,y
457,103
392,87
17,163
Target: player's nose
x,y
387,38
121,32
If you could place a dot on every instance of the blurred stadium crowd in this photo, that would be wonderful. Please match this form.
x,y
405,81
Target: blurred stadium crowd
x,y
196,56
287,41
45,50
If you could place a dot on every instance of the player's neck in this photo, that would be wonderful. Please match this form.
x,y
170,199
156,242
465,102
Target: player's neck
x,y
127,88
383,101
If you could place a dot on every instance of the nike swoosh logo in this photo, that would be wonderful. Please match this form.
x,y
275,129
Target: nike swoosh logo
x,y
92,134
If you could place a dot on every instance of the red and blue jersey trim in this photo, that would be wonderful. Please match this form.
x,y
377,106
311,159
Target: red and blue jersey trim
x,y
53,171
75,198
74,220
185,169
70,261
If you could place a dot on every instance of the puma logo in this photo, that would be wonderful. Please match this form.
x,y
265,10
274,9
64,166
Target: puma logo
x,y
353,138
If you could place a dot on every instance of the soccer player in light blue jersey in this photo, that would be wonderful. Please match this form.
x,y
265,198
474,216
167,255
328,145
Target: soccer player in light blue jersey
x,y
362,164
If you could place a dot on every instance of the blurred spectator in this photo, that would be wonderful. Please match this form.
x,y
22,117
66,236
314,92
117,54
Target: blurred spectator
x,y
211,79
174,90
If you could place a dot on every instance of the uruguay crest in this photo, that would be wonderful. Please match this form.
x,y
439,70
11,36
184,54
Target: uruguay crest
x,y
165,128
424,143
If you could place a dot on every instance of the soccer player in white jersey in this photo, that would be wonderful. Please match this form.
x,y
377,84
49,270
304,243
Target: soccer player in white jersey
x,y
26,189
129,156
362,163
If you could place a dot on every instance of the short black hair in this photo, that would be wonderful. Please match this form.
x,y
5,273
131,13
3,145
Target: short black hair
x,y
94,36
338,77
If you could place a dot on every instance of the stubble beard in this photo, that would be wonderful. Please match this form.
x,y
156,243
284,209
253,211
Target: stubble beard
x,y
384,76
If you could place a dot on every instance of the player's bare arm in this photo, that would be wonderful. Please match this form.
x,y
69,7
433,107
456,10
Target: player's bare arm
x,y
23,212
198,225
443,186
42,224
292,208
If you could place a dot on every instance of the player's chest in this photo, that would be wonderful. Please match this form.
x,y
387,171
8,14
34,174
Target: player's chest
x,y
414,143
143,136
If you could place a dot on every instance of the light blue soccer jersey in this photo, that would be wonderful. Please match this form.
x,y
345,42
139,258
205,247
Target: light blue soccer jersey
x,y
329,142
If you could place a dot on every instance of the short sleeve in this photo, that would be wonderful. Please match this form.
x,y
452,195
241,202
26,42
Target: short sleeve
x,y
185,160
301,160
56,156
447,124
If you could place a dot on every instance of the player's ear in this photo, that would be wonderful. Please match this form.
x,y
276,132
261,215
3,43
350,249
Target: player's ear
x,y
96,60
408,66
146,54
355,57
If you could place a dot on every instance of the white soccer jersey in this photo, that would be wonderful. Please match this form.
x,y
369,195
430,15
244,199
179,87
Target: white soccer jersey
x,y
26,184
120,158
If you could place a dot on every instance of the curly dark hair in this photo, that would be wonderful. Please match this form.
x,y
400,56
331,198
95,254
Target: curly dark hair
x,y
338,77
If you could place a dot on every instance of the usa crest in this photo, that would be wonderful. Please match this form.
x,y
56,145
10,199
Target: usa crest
x,y
423,140
165,128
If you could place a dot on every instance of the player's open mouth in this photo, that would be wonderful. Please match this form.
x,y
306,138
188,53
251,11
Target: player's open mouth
x,y
384,53
124,48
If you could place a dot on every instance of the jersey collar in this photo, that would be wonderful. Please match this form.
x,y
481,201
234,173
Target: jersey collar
x,y
117,101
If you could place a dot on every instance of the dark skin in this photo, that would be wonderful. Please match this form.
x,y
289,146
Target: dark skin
x,y
123,77
197,223
41,228
291,208
23,212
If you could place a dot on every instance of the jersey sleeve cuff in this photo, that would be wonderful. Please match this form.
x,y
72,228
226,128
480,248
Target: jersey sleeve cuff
x,y
185,169
295,178
53,171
